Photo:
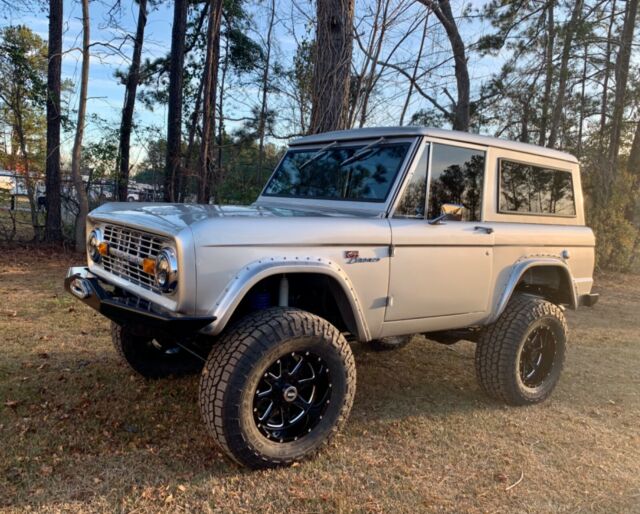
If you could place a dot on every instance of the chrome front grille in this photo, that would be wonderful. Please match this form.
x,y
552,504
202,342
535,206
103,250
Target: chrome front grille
x,y
127,250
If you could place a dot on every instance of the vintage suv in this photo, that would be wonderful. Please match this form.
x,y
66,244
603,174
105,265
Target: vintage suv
x,y
367,235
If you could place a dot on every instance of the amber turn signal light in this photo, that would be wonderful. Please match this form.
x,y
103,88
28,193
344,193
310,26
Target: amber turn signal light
x,y
103,248
149,266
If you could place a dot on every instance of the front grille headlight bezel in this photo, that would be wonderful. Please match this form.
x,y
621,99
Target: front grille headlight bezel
x,y
166,270
93,243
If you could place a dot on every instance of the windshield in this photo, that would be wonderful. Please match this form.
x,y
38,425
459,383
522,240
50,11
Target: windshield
x,y
338,173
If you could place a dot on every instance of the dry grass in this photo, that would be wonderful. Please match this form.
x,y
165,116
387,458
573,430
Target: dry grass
x,y
80,432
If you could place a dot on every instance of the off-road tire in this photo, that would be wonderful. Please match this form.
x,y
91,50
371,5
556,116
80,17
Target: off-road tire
x,y
238,362
499,348
387,344
150,360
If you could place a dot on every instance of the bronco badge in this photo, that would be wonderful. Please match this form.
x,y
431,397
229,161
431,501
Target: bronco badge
x,y
353,257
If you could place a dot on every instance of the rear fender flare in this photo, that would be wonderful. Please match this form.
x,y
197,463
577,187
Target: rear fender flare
x,y
519,269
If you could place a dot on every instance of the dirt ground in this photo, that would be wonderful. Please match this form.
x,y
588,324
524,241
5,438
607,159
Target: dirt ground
x,y
80,433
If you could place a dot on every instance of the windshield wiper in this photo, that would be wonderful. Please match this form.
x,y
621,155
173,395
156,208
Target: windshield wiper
x,y
362,152
318,154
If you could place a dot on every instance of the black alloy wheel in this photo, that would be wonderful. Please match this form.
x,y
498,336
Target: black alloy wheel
x,y
537,356
277,386
292,396
520,357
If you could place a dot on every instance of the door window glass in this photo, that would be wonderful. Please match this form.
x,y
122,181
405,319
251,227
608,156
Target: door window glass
x,y
413,198
457,176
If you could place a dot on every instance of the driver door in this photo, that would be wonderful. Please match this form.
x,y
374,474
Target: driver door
x,y
444,268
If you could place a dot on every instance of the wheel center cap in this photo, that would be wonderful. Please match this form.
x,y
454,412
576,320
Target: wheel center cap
x,y
290,393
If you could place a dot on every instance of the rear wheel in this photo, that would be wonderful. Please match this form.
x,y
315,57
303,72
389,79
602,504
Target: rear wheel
x,y
277,386
520,357
153,358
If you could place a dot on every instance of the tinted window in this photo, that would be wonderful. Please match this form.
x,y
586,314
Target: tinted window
x,y
529,189
337,174
457,175
413,198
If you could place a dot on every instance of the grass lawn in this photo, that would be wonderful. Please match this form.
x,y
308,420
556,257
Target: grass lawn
x,y
80,432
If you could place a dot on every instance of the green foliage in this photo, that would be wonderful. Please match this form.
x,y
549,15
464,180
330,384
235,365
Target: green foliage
x,y
152,169
23,76
616,235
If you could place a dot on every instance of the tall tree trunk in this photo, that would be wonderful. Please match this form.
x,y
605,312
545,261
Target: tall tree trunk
x,y
53,223
262,122
583,101
332,66
549,75
633,164
76,153
556,118
126,125
414,73
607,74
28,179
173,168
462,108
190,155
210,78
621,75
221,92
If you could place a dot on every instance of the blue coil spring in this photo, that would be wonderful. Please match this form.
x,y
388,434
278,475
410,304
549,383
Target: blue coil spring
x,y
260,300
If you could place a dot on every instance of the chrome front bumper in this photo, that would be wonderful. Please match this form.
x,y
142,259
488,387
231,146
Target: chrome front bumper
x,y
126,309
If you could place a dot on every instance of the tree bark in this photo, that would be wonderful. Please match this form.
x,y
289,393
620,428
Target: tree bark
x,y
76,154
607,73
53,223
126,125
621,75
567,44
462,108
549,75
173,168
210,78
633,164
332,66
265,92
583,101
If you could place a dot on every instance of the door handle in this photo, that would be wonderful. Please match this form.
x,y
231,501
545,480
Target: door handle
x,y
487,230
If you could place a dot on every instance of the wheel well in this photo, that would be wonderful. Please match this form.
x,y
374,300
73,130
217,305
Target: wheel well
x,y
316,293
550,282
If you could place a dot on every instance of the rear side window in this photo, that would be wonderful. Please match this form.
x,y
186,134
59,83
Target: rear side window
x,y
456,177
528,189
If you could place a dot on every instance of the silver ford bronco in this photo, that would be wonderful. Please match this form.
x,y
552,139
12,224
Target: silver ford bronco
x,y
367,235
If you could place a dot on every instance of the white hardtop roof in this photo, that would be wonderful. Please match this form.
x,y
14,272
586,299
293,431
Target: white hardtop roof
x,y
453,135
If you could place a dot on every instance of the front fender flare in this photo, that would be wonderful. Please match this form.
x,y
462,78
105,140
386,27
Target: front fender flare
x,y
256,271
519,269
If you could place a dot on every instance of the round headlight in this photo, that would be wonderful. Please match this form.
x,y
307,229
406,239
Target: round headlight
x,y
93,243
166,270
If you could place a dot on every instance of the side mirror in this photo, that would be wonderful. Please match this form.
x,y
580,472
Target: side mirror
x,y
449,211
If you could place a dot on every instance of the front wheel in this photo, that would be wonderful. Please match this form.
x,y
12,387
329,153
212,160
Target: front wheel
x,y
520,357
277,386
152,358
